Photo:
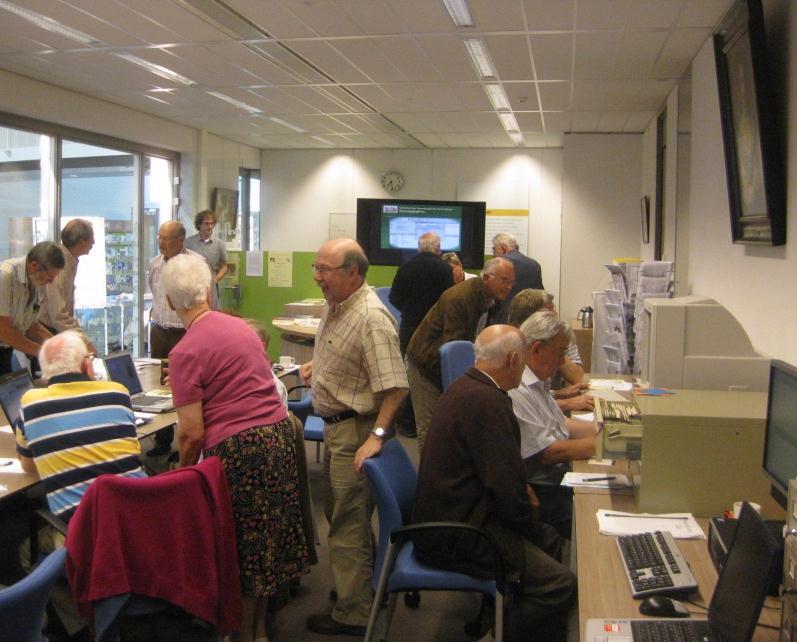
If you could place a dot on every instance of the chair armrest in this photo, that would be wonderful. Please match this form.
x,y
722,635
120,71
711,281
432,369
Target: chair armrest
x,y
39,518
403,532
299,387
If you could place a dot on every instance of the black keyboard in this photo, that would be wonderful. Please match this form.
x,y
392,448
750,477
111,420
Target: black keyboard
x,y
654,564
675,631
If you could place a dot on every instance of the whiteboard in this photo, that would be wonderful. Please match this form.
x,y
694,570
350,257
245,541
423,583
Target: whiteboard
x,y
342,226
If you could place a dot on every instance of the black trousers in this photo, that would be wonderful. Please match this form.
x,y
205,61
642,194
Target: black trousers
x,y
161,342
5,360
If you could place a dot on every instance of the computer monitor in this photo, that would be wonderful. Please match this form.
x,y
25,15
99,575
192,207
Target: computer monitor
x,y
12,387
780,440
695,343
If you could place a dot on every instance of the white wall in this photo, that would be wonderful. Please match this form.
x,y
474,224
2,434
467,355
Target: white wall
x,y
757,284
600,211
301,188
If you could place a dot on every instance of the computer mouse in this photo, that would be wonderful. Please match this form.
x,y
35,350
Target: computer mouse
x,y
660,606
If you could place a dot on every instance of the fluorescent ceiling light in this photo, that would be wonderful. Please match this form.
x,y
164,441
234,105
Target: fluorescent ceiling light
x,y
516,137
285,123
480,57
49,24
459,12
323,140
498,97
509,122
236,103
158,70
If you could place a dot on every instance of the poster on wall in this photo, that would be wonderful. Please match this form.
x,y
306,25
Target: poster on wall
x,y
280,269
514,222
225,206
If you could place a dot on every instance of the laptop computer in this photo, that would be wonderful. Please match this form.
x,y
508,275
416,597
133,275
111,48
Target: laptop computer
x,y
12,387
738,597
121,369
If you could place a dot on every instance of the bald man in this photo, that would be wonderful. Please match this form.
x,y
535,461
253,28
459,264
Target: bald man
x,y
166,329
359,384
471,471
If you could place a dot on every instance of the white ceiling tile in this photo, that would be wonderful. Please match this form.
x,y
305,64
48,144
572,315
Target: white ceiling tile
x,y
510,56
639,120
613,121
408,58
553,56
497,16
330,60
653,14
533,139
273,17
602,14
556,121
177,23
706,13
543,15
376,17
449,57
637,54
422,16
365,55
457,96
596,53
529,121
431,140
324,18
408,122
522,96
555,95
585,121
289,63
678,52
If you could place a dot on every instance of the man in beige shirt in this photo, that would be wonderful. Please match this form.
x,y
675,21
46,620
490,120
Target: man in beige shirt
x,y
359,384
58,313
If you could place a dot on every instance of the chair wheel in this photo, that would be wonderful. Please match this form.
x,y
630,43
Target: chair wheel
x,y
412,599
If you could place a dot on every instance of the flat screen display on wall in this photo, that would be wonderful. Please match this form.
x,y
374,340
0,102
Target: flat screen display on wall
x,y
388,229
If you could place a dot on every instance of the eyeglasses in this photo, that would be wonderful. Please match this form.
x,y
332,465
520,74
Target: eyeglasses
x,y
167,238
503,279
325,269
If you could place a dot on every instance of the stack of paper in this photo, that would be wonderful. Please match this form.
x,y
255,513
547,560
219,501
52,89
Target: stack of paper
x,y
610,384
595,480
681,525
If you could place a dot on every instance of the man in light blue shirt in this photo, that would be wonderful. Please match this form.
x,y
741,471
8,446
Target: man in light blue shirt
x,y
549,441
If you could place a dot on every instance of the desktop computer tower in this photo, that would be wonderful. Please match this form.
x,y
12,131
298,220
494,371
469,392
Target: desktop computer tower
x,y
701,451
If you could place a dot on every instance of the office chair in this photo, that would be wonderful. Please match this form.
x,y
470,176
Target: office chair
x,y
384,294
313,424
456,357
22,605
393,479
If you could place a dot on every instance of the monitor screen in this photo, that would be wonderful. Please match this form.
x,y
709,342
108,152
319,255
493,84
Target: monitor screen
x,y
388,229
780,446
12,387
121,369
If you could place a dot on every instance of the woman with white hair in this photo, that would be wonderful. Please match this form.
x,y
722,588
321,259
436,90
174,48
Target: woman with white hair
x,y
228,406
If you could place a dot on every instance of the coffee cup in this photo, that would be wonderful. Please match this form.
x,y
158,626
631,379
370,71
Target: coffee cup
x,y
737,508
286,362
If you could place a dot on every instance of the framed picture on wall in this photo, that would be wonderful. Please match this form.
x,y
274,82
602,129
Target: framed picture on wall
x,y
644,207
225,206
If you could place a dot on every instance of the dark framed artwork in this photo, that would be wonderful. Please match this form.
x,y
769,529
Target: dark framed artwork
x,y
751,127
644,209
225,206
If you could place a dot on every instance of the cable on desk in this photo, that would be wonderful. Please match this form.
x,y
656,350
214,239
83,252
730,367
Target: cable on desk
x,y
700,606
768,626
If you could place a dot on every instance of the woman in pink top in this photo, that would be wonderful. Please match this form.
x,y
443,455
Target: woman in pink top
x,y
228,406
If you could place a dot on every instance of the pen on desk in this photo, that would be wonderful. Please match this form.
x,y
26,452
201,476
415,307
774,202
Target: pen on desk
x,y
591,479
643,516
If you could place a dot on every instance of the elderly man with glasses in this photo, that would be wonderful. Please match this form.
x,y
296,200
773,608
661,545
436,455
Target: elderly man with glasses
x,y
528,273
459,314
359,385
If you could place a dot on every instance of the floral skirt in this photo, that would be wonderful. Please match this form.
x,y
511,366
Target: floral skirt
x,y
261,470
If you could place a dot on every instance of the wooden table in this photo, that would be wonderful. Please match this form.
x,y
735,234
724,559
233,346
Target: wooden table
x,y
296,340
603,590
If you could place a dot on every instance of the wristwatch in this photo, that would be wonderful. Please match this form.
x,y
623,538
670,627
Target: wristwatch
x,y
378,431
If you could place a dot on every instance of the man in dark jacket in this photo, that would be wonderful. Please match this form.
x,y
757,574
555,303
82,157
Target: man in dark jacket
x,y
471,471
528,273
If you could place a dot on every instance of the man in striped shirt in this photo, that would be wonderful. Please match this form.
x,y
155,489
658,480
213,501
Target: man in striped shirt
x,y
76,428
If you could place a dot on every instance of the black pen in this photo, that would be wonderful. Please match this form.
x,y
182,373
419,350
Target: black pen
x,y
586,479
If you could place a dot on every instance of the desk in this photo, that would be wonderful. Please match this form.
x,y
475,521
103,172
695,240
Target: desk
x,y
296,340
18,481
603,589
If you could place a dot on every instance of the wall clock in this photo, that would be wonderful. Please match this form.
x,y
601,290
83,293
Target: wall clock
x,y
392,181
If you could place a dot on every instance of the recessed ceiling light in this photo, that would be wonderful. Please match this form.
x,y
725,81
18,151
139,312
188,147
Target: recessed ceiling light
x,y
497,97
516,137
480,57
459,12
158,70
49,24
509,122
235,102
285,123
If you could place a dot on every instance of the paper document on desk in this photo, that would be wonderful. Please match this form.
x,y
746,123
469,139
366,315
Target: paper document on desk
x,y
7,429
589,417
10,465
681,525
611,384
596,480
